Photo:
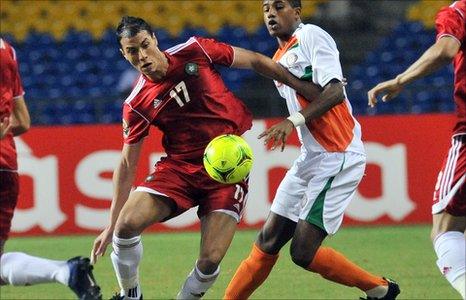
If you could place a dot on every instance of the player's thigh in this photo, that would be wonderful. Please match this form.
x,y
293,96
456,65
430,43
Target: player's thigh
x,y
330,192
290,193
450,189
140,211
275,233
443,222
217,231
9,190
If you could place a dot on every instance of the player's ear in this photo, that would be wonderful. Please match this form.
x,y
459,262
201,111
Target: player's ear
x,y
297,11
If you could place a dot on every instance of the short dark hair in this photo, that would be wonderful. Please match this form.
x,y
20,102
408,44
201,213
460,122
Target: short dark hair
x,y
131,26
295,3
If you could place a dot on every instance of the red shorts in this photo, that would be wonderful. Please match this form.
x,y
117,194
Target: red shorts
x,y
450,190
189,185
9,189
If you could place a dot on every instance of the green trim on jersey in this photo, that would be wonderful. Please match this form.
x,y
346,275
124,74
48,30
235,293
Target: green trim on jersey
x,y
307,74
292,47
316,214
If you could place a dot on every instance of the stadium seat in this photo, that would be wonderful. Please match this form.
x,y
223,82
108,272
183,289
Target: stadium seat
x,y
68,50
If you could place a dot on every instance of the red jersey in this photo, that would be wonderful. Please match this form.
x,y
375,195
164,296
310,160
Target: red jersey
x,y
191,105
10,89
451,21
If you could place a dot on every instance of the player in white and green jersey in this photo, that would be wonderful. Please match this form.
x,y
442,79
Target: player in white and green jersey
x,y
311,199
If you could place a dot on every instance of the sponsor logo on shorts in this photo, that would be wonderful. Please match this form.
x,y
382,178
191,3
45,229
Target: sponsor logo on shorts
x,y
157,102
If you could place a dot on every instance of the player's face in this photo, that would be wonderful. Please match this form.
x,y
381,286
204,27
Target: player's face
x,y
280,18
142,52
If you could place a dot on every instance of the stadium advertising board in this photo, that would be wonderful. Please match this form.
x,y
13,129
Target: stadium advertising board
x,y
66,173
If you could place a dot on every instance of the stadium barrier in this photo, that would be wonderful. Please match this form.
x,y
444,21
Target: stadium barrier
x,y
66,173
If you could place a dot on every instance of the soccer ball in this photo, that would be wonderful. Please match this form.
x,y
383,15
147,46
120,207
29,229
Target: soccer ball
x,y
228,158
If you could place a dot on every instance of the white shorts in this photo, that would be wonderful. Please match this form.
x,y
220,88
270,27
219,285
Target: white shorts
x,y
318,189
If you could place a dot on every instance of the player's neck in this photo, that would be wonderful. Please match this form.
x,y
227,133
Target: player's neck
x,y
284,39
161,70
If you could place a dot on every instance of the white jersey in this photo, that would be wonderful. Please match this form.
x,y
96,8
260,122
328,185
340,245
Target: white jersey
x,y
311,54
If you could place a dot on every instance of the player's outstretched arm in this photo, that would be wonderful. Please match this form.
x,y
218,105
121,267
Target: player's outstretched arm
x,y
245,59
123,178
438,55
20,120
331,95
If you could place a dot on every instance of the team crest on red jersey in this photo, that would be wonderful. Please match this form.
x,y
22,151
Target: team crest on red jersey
x,y
191,69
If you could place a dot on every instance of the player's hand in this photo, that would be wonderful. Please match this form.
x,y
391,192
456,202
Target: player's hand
x,y
101,243
390,89
5,126
278,133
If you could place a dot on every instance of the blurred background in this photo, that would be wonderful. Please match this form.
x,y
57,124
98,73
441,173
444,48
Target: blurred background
x,y
73,72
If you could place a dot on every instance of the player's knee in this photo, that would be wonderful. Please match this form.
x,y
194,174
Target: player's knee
x,y
127,227
209,263
434,233
445,222
267,242
301,256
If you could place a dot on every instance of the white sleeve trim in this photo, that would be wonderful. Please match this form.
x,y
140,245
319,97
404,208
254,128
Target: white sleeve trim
x,y
330,77
234,56
450,35
19,96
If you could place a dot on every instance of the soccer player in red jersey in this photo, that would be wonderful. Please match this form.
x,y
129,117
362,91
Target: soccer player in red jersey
x,y
181,93
17,268
449,207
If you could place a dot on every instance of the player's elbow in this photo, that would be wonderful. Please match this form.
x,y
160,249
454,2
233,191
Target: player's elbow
x,y
335,89
257,61
24,127
21,128
446,48
447,54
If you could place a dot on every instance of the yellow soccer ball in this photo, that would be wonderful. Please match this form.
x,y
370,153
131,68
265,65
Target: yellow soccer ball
x,y
228,159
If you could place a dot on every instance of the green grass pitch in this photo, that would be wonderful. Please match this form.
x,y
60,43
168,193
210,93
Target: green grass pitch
x,y
403,253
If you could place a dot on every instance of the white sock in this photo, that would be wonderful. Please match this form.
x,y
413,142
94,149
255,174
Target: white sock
x,y
197,284
125,257
17,268
377,292
460,285
450,248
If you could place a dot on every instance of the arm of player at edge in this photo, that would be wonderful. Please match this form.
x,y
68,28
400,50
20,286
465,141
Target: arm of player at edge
x,y
245,59
438,55
20,118
19,122
123,178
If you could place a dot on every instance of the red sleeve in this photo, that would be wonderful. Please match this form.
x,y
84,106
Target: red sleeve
x,y
450,22
218,53
135,125
17,85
